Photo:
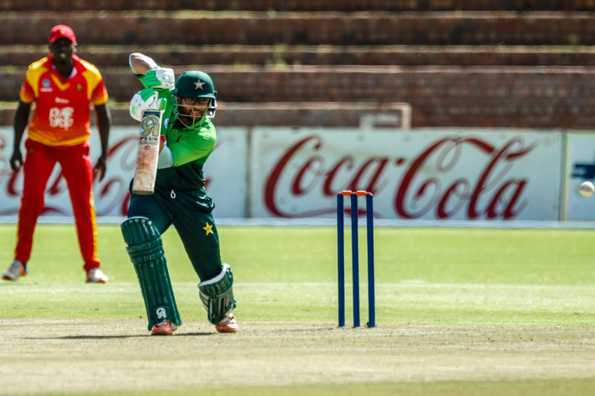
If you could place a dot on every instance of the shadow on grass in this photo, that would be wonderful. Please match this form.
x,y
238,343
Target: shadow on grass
x,y
307,329
110,337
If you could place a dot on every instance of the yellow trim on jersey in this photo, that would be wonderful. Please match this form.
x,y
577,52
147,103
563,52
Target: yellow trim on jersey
x,y
93,77
24,96
101,101
42,138
34,72
56,80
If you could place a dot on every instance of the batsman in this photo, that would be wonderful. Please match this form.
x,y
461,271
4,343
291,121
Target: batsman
x,y
179,114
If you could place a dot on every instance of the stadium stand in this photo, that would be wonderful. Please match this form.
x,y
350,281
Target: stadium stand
x,y
464,63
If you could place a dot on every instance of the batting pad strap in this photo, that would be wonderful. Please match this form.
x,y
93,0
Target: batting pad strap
x,y
216,295
146,252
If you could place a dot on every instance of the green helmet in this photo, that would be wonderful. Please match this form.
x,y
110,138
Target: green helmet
x,y
197,84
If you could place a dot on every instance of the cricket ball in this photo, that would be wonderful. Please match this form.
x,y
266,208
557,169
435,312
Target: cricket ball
x,y
586,189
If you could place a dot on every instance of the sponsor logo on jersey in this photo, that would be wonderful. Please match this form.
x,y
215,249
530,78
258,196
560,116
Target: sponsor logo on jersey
x,y
61,117
62,100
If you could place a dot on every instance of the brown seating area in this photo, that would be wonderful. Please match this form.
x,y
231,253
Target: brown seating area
x,y
307,28
106,56
299,5
458,63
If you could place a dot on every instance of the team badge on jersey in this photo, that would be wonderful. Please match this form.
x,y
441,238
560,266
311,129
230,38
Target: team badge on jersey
x,y
79,87
46,86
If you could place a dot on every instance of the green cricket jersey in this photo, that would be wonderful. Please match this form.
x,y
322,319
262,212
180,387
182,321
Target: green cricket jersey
x,y
190,148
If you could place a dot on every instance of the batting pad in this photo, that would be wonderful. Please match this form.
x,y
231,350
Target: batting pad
x,y
216,295
146,252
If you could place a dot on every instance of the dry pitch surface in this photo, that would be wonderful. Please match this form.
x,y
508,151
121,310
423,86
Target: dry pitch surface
x,y
460,312
42,356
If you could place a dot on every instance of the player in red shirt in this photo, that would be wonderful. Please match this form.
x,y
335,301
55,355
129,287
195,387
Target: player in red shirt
x,y
63,88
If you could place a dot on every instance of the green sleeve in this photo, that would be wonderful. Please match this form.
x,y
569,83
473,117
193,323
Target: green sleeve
x,y
168,110
193,145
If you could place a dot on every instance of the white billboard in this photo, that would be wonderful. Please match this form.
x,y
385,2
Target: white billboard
x,y
581,167
224,171
428,174
425,174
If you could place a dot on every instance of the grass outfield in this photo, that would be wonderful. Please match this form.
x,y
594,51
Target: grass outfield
x,y
459,312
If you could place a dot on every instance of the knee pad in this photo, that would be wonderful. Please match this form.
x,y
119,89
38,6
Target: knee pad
x,y
216,295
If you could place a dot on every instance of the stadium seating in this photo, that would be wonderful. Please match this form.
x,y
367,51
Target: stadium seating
x,y
466,63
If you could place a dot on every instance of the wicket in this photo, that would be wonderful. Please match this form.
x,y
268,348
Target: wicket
x,y
354,195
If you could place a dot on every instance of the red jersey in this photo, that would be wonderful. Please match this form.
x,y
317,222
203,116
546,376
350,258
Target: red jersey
x,y
61,116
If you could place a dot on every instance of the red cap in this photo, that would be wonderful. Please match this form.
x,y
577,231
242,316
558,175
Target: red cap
x,y
62,31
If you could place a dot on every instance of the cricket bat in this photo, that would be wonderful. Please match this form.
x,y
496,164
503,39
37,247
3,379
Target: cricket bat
x,y
148,153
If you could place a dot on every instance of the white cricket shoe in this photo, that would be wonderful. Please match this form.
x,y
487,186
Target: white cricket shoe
x,y
228,324
15,271
96,275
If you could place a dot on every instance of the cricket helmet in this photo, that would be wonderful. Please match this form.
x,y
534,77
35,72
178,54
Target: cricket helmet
x,y
198,85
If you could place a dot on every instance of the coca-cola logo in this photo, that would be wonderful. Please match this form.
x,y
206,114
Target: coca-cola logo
x,y
428,184
430,175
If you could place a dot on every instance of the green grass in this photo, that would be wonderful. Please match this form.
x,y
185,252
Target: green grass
x,y
423,275
509,295
309,255
441,388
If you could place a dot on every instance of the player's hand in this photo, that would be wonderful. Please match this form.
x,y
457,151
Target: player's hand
x,y
16,160
100,167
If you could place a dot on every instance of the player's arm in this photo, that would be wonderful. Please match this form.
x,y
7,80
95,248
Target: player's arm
x,y
21,118
150,74
103,125
158,82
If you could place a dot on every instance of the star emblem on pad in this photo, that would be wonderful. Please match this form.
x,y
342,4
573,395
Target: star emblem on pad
x,y
198,85
208,228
